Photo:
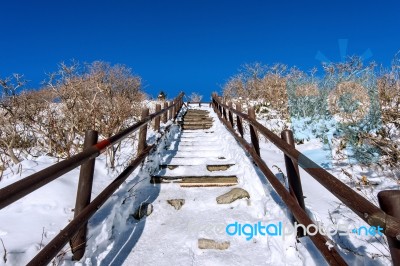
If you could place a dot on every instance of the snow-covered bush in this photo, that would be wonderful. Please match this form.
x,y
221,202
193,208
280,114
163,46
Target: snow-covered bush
x,y
195,97
76,98
263,84
349,102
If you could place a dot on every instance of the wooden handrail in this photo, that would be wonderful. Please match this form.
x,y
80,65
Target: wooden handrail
x,y
19,189
358,204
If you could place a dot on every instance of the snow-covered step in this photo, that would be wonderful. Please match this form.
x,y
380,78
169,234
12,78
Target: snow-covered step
x,y
199,131
197,123
194,112
198,143
196,126
198,148
190,136
195,158
187,154
210,167
197,181
198,161
198,119
197,170
201,216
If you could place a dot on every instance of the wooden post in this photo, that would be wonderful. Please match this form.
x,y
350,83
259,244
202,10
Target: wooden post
x,y
253,132
165,115
143,133
239,120
169,111
293,174
173,110
157,119
224,113
78,241
230,115
389,201
178,107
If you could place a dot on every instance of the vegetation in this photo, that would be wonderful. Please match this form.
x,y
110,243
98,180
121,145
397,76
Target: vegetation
x,y
75,98
363,101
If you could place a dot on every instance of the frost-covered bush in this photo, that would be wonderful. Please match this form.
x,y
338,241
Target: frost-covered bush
x,y
349,102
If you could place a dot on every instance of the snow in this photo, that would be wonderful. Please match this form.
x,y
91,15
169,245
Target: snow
x,y
169,236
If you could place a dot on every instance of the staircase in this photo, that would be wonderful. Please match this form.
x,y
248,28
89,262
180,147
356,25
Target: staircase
x,y
196,119
194,158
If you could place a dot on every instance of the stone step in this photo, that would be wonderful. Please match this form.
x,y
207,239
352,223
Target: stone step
x,y
197,123
200,118
195,115
197,118
197,181
195,127
197,111
219,167
188,122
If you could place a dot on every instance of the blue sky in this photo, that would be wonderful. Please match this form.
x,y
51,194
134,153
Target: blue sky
x,y
190,45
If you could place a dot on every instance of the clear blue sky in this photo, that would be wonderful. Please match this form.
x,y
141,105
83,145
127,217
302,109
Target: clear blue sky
x,y
190,45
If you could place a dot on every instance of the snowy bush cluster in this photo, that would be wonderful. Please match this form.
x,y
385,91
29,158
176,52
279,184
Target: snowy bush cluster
x,y
76,98
350,103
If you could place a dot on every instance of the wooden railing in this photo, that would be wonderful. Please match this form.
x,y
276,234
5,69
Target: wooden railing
x,y
294,199
75,231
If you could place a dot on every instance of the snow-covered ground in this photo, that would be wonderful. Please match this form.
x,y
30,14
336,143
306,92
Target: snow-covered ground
x,y
169,236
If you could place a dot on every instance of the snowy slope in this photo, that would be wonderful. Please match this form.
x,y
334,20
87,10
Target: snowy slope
x,y
169,236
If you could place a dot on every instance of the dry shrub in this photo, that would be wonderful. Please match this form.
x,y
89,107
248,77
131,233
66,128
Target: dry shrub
x,y
309,89
387,138
365,104
195,97
273,90
76,98
349,101
97,96
263,84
